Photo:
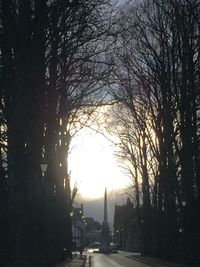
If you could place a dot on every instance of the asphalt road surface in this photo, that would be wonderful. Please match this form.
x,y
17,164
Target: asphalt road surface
x,y
115,260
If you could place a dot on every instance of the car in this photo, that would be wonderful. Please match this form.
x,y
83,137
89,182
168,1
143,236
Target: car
x,y
94,247
114,247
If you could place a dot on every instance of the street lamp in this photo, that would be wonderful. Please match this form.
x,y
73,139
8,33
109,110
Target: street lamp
x,y
184,203
184,230
43,166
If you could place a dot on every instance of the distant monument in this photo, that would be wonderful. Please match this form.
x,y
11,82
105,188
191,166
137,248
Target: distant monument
x,y
105,228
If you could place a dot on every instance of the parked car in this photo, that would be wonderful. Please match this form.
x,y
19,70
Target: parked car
x,y
114,247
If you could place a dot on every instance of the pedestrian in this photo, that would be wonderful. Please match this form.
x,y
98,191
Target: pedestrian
x,y
81,248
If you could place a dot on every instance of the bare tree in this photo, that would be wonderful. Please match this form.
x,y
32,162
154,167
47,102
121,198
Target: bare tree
x,y
158,58
51,68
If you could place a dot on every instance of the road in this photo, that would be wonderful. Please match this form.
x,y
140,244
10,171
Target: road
x,y
115,260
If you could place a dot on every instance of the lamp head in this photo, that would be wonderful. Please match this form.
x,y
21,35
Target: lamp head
x,y
43,166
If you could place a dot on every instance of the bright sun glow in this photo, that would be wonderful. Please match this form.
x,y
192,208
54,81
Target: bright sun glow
x,y
93,165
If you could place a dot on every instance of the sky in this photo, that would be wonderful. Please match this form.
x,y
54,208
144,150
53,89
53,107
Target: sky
x,y
93,167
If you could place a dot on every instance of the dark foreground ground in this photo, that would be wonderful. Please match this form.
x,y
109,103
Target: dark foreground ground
x,y
159,262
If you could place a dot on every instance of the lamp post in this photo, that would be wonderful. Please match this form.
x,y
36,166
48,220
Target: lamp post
x,y
74,232
184,230
43,166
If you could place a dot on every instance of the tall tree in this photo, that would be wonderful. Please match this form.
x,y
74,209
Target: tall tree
x,y
158,57
50,66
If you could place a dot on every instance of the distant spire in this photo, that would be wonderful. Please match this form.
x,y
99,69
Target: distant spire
x,y
105,219
105,228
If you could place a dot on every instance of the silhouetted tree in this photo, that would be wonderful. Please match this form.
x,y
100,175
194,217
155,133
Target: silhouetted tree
x,y
50,69
158,56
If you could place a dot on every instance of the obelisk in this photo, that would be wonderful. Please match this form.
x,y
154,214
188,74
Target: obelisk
x,y
105,218
105,228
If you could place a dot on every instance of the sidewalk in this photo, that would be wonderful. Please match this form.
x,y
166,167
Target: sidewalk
x,y
75,262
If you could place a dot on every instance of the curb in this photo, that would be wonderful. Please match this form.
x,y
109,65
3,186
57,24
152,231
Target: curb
x,y
84,257
87,261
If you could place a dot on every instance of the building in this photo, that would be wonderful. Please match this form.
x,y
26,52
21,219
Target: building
x,y
78,227
127,232
85,230
93,231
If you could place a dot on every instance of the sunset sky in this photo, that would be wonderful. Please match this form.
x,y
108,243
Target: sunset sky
x,y
93,165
